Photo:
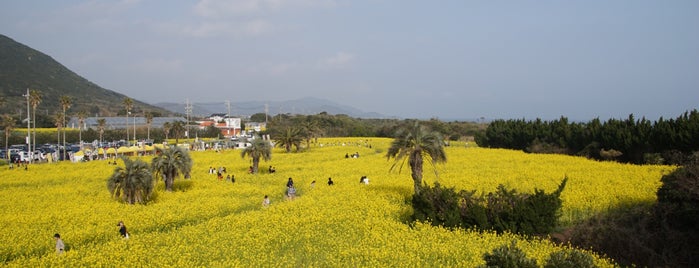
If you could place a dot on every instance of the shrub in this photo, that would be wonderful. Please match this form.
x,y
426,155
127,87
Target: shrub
x,y
508,256
473,211
570,258
538,213
439,205
663,235
503,210
610,154
678,197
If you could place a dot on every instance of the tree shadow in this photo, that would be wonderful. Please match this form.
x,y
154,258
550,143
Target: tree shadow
x,y
182,185
632,234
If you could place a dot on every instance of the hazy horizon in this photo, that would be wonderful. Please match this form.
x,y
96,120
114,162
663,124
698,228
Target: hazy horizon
x,y
409,59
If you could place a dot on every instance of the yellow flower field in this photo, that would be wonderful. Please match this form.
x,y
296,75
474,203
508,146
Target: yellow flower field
x,y
210,223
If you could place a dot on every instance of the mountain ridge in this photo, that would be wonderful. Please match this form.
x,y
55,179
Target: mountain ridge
x,y
22,68
306,106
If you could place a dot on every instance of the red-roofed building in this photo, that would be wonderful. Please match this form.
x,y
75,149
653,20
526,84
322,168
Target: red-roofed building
x,y
229,126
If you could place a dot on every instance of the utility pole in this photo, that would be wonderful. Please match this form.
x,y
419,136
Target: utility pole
x,y
188,111
266,112
135,141
29,123
227,118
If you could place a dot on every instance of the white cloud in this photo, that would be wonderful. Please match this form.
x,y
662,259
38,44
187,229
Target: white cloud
x,y
219,28
87,15
275,69
222,8
217,8
159,66
99,8
339,60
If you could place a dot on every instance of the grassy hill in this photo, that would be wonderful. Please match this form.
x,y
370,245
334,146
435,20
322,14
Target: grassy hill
x,y
22,67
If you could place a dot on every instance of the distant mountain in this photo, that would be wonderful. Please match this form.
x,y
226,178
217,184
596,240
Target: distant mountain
x,y
299,106
22,67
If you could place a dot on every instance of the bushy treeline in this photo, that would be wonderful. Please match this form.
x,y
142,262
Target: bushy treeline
x,y
503,210
628,140
309,126
662,235
327,125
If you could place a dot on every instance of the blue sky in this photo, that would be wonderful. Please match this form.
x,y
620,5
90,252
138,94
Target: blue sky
x,y
412,59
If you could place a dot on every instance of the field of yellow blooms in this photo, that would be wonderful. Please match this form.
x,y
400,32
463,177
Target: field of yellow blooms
x,y
206,222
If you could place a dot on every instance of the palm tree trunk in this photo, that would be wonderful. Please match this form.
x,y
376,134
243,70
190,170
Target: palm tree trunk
x,y
415,160
255,164
6,148
58,145
169,181
34,138
64,132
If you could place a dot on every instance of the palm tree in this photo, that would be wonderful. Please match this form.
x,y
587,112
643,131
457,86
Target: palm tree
x,y
58,120
34,101
149,122
258,148
166,129
178,130
101,125
128,104
65,104
7,123
133,183
310,130
171,162
416,143
81,121
290,137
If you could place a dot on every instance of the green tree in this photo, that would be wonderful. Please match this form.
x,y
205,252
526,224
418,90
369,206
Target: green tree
x,y
132,183
289,137
310,129
34,101
178,130
166,129
128,104
258,117
414,144
7,123
258,148
59,120
65,102
170,163
101,125
81,121
149,122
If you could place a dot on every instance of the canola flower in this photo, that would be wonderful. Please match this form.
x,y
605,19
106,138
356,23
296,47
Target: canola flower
x,y
212,223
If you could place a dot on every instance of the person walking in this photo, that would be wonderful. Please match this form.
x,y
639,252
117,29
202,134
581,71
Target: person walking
x,y
122,230
265,201
60,247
